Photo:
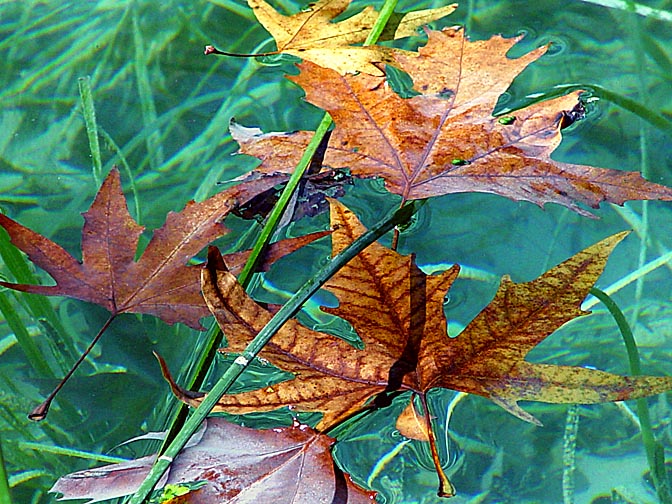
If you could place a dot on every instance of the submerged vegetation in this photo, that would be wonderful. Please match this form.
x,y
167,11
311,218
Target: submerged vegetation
x,y
135,71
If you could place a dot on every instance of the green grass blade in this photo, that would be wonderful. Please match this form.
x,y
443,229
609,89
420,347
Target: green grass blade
x,y
146,95
651,446
71,452
38,306
5,497
383,17
279,209
30,349
129,173
89,111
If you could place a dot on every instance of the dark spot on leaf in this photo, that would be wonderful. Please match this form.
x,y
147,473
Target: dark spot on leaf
x,y
446,93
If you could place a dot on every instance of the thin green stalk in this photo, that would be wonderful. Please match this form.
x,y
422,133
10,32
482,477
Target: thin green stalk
x,y
89,111
383,17
146,96
285,313
129,173
651,446
5,497
206,354
29,347
71,452
279,209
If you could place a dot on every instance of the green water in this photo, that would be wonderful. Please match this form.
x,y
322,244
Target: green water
x,y
163,111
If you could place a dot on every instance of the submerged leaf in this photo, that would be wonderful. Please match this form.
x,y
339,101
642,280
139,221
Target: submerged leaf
x,y
285,465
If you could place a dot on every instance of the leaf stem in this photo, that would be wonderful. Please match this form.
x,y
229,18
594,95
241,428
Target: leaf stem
x,y
446,488
285,313
210,49
40,412
654,455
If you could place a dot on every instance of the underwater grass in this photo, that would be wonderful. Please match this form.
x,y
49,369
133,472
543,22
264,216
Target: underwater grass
x,y
89,112
655,453
5,497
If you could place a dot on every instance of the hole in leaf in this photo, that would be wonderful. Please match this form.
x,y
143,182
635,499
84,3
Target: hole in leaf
x,y
400,82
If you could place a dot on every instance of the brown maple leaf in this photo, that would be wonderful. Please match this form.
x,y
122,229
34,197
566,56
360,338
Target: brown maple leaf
x,y
161,282
445,140
291,465
398,312
312,35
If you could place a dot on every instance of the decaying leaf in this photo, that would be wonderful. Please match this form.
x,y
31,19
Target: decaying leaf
x,y
160,282
445,140
312,35
285,465
310,198
107,482
398,312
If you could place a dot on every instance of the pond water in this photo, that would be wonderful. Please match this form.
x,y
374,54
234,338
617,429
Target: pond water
x,y
163,111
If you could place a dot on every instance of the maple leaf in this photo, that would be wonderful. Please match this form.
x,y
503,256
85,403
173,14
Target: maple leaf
x,y
160,282
445,140
311,34
287,465
398,312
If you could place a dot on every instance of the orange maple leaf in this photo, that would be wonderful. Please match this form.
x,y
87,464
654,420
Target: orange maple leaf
x,y
445,140
313,35
397,311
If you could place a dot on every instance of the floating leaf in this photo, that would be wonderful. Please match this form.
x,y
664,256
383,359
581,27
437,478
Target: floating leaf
x,y
398,312
445,140
311,34
161,282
